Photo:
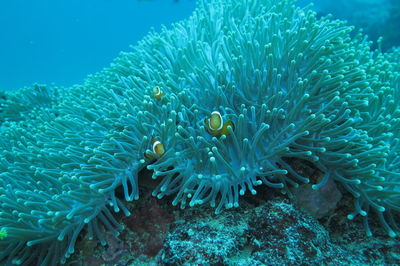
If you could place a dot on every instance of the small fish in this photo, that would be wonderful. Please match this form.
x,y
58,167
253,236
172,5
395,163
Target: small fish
x,y
157,93
215,124
157,148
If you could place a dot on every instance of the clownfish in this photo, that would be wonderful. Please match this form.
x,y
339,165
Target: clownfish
x,y
215,124
157,93
157,148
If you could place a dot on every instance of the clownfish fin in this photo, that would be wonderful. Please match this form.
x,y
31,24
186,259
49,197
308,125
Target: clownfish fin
x,y
148,156
207,122
224,130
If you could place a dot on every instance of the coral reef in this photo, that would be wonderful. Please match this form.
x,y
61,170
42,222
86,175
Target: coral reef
x,y
242,89
265,233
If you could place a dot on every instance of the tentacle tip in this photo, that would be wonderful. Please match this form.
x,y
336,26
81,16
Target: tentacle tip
x,y
392,234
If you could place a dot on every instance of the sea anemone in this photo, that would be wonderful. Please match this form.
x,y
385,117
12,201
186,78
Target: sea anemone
x,y
285,85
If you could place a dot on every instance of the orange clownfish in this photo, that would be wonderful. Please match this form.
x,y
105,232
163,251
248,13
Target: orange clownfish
x,y
157,148
157,93
215,124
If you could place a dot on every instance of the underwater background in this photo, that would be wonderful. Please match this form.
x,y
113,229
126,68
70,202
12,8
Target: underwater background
x,y
71,155
61,42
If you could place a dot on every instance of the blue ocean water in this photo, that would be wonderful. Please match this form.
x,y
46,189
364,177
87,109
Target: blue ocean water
x,y
63,41
377,18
